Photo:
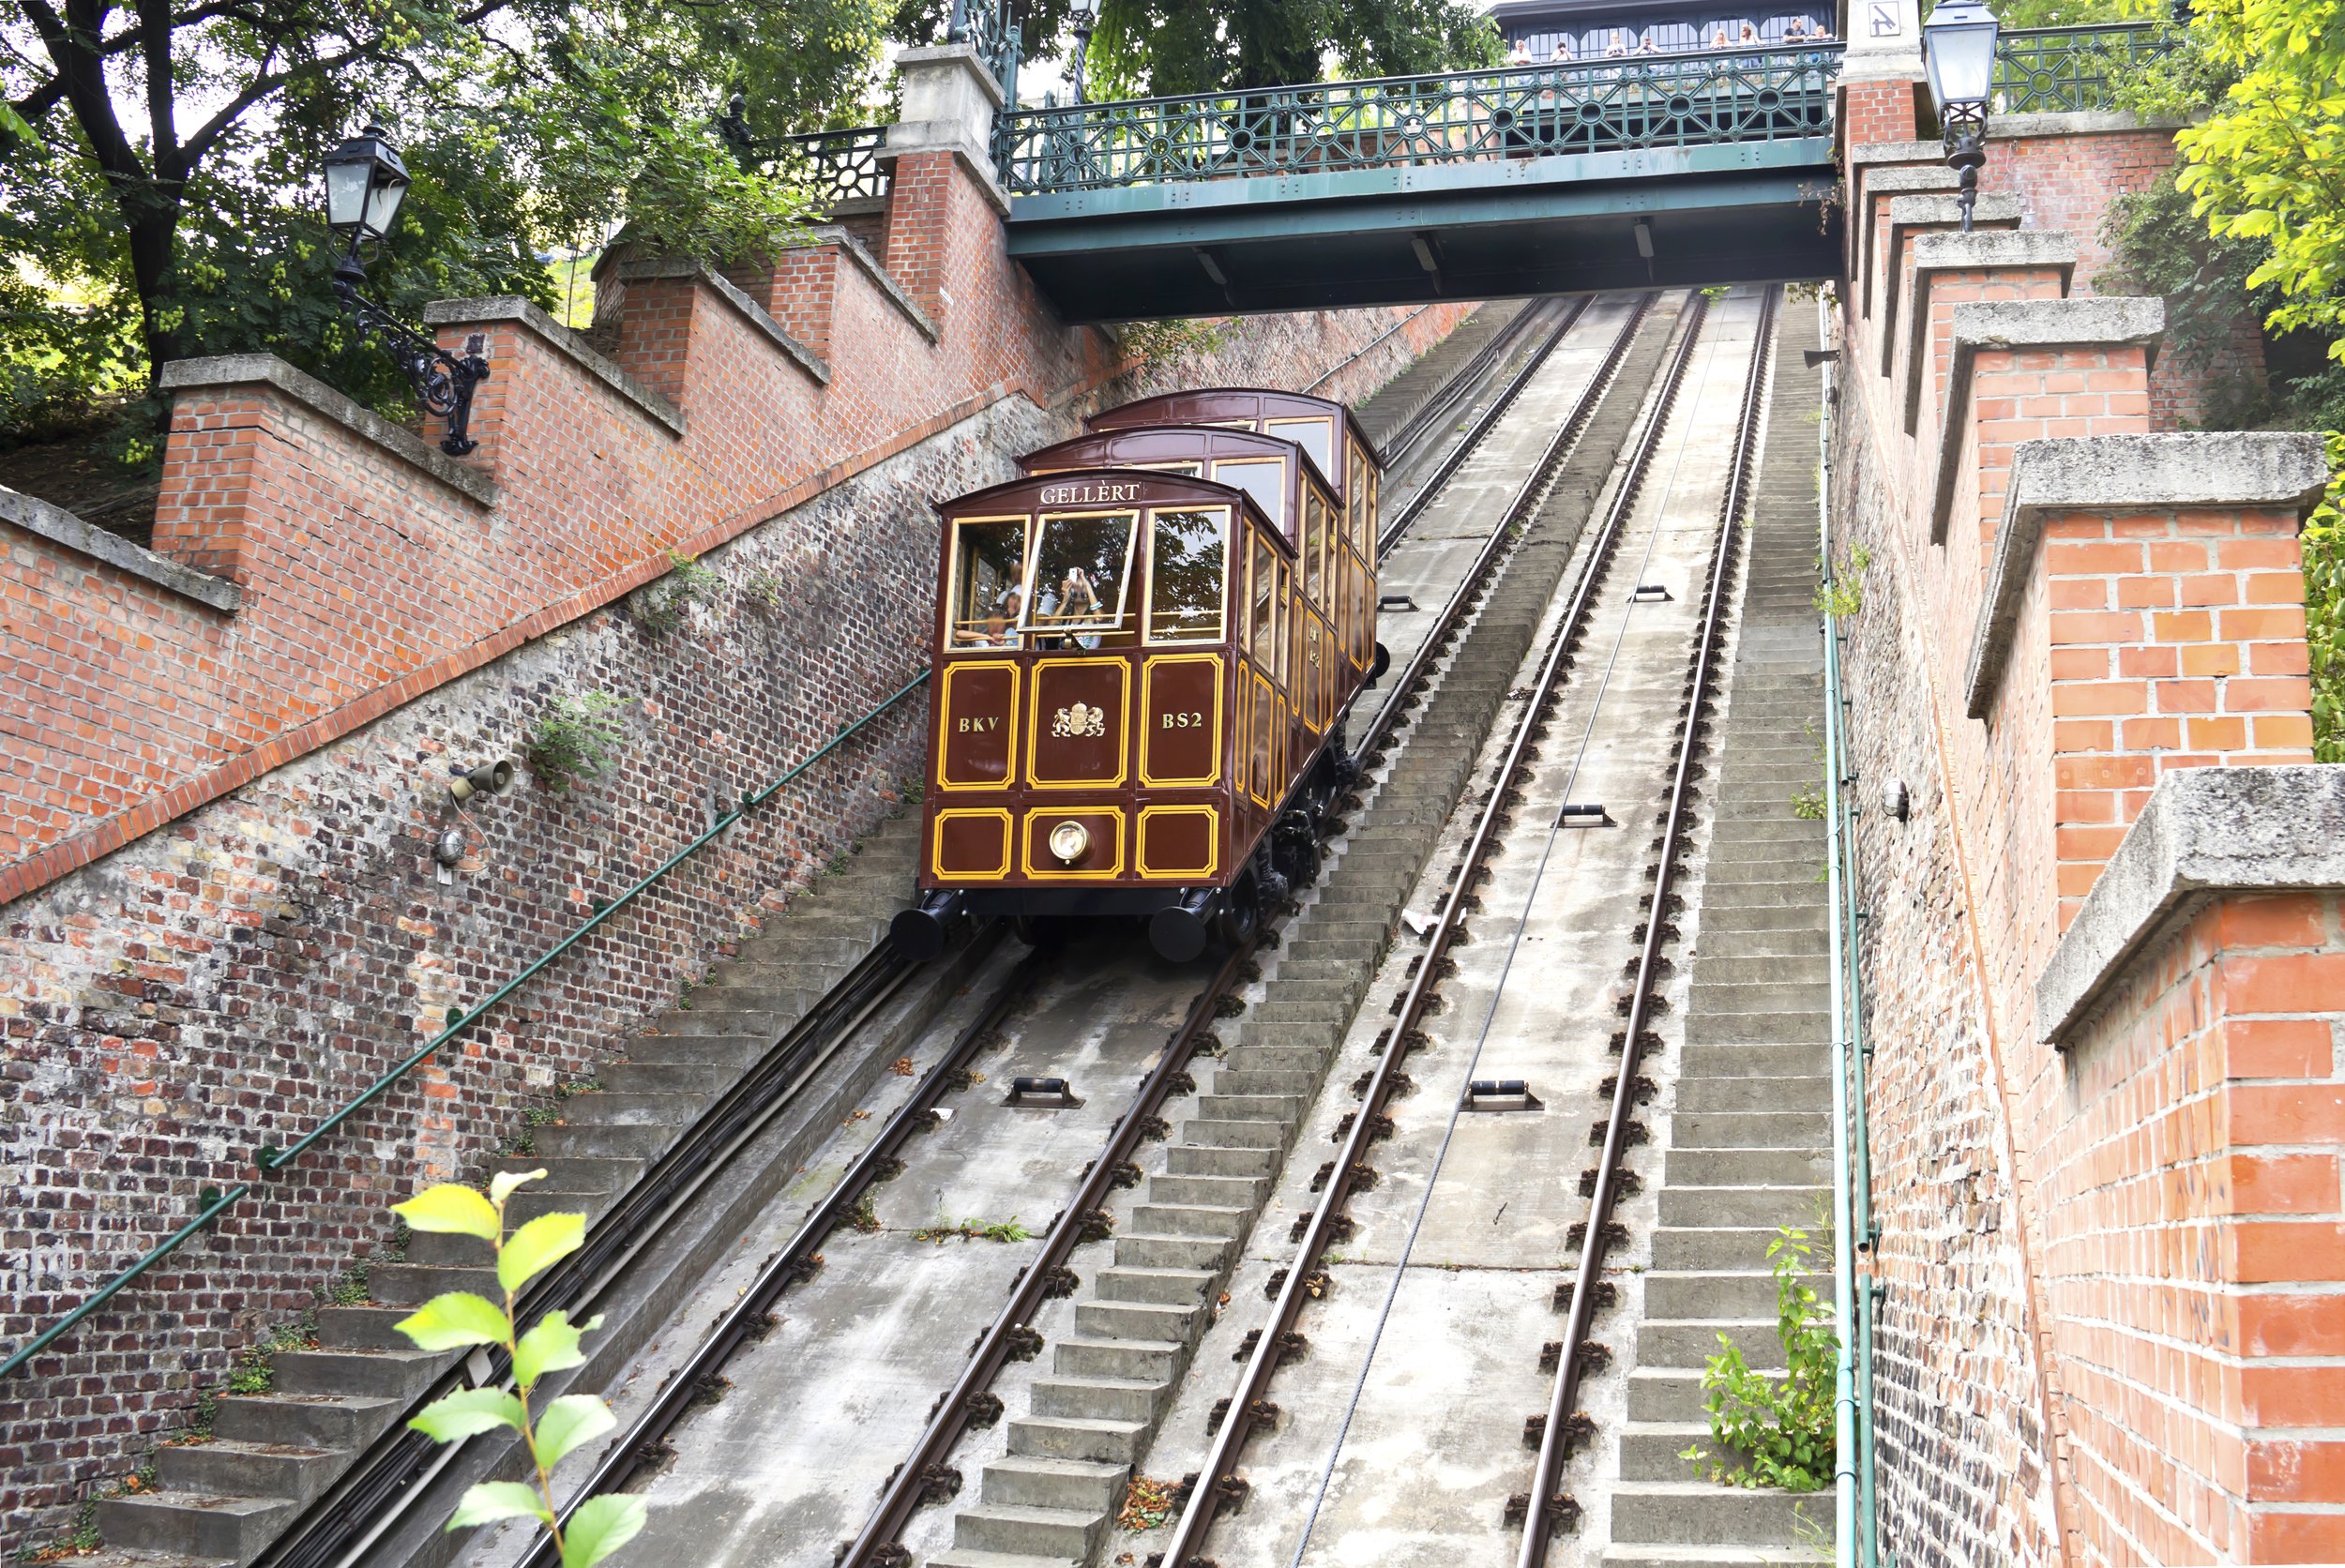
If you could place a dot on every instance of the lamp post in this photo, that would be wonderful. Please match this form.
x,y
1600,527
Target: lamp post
x,y
365,183
1085,16
1959,52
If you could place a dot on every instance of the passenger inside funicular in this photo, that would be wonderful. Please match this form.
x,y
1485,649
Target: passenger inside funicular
x,y
1082,565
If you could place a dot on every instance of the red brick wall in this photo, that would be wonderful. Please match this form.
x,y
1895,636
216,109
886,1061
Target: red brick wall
x,y
2076,1245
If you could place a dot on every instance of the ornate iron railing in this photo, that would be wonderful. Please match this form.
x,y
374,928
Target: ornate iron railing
x,y
842,165
2051,68
1677,100
1000,42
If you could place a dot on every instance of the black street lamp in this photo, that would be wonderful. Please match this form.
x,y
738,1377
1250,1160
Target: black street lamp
x,y
1959,52
365,182
1085,17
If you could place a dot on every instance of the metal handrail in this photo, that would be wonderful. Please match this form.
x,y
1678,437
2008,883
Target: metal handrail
x,y
2068,68
1636,101
458,1021
1856,1518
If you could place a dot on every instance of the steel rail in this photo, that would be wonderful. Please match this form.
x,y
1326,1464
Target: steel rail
x,y
1217,1475
795,1261
1400,448
1455,458
1555,1442
1501,540
458,1021
390,1476
878,1543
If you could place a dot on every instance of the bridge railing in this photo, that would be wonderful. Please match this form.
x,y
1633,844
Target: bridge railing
x,y
840,165
2045,70
1627,104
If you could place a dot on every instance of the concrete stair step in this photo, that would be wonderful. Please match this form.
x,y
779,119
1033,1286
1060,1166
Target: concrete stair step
x,y
1305,1051
700,1079
1760,996
365,1374
572,1175
1720,1294
1659,1556
1758,1029
1692,1207
602,1108
1100,1398
1105,1442
1257,1081
1248,1107
1758,1129
1747,1168
1753,1093
731,1053
1683,1247
1172,1252
1241,1193
1199,1159
641,1142
1676,1342
1722,945
1805,1059
1026,1480
1155,1286
1235,1134
307,1421
367,1327
1693,1512
237,1527
411,1284
1177,1323
221,1468
1726,920
1139,1361
1724,971
959,1557
1050,1533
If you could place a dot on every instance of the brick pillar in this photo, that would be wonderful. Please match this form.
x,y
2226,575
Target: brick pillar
x,y
801,292
2163,576
940,167
650,334
2191,1164
1954,269
207,516
1883,109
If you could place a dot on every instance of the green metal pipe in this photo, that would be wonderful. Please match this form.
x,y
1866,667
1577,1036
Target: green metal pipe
x,y
270,1158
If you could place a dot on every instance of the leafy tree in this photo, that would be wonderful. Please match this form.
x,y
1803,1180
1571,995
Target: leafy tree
x,y
2269,164
158,161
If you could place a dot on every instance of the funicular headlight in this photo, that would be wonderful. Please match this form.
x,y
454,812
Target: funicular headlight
x,y
1068,840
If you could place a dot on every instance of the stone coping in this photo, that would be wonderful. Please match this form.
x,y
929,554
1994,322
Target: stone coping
x,y
2125,472
237,369
855,250
513,307
1979,250
748,309
2204,833
63,529
1867,153
2114,321
1866,200
1932,212
2075,122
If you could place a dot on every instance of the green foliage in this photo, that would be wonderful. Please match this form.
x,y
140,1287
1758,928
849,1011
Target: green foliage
x,y
973,1230
1842,592
1808,805
146,228
459,1319
575,738
1169,342
2269,164
864,1216
660,605
1775,1430
1145,48
2324,608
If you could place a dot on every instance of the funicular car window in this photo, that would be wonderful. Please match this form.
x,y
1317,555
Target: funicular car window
x,y
1081,568
1189,564
1315,436
1315,546
989,554
1263,479
1265,624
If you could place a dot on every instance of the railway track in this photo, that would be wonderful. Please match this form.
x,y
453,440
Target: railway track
x,y
382,1508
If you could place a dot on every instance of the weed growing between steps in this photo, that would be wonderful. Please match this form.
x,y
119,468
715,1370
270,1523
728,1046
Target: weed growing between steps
x,y
82,1537
1147,1503
973,1230
460,1320
1777,1431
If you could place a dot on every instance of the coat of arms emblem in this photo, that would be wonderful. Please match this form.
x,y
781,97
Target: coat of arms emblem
x,y
1078,719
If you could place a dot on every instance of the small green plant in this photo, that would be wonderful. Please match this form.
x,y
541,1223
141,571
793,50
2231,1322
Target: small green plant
x,y
864,1216
1775,1431
1168,341
1841,594
1715,293
1808,805
462,1319
576,737
254,1370
660,605
350,1290
973,1230
766,591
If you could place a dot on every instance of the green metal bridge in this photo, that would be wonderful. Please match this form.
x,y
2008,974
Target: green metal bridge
x,y
1672,169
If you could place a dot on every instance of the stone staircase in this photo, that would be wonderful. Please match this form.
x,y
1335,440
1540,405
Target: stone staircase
x,y
1749,1141
1053,1497
1396,401
223,1500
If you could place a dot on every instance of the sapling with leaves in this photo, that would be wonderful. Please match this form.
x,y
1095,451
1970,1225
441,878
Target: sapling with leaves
x,y
463,1320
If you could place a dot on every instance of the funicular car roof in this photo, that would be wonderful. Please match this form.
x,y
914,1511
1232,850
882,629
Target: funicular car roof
x,y
1024,494
1265,402
1209,441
